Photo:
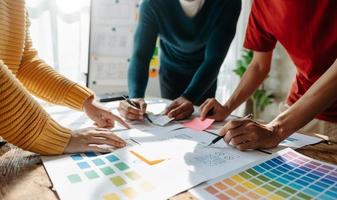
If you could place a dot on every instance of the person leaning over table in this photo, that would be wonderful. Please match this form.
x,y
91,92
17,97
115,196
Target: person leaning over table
x,y
194,38
23,122
308,31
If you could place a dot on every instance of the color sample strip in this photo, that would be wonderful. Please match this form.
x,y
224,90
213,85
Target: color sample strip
x,y
76,157
87,165
98,162
146,186
122,166
90,154
91,174
130,193
74,178
118,181
111,196
112,158
133,175
287,176
83,165
107,171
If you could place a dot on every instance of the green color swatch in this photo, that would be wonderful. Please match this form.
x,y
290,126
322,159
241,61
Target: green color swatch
x,y
122,166
91,174
98,162
107,170
74,178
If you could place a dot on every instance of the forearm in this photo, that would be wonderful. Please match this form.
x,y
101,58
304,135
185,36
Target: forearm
x,y
43,81
203,80
138,77
144,44
23,122
318,98
251,80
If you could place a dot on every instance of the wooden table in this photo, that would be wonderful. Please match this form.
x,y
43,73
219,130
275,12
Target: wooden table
x,y
22,175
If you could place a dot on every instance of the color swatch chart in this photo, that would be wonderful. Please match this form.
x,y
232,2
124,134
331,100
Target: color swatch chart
x,y
122,177
288,175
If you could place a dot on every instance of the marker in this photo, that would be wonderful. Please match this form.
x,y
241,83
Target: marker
x,y
249,116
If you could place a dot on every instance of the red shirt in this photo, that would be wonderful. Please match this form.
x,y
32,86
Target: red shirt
x,y
308,31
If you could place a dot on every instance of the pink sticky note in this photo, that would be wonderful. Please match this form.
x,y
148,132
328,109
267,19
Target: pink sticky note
x,y
198,124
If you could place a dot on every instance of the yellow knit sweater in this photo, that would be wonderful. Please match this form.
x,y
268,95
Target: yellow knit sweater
x,y
23,121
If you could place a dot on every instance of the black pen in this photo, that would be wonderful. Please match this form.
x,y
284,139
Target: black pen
x,y
249,116
137,106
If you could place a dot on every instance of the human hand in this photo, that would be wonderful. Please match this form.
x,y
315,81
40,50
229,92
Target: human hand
x,y
211,108
102,117
179,109
92,139
131,112
246,134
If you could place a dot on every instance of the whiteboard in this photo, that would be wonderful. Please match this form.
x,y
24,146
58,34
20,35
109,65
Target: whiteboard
x,y
112,26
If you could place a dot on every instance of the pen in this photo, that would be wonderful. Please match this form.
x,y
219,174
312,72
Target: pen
x,y
249,116
137,106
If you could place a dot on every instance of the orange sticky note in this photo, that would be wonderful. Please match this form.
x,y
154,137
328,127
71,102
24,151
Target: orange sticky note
x,y
198,124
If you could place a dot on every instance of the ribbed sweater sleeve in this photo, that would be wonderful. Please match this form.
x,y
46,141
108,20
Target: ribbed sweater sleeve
x,y
44,82
23,122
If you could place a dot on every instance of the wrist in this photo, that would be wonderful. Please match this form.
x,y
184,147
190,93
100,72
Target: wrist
x,y
185,98
227,108
88,102
277,129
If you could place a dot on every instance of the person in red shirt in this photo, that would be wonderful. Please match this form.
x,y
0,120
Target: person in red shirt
x,y
307,29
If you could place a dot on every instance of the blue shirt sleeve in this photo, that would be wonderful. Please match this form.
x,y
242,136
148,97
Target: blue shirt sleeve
x,y
144,44
216,50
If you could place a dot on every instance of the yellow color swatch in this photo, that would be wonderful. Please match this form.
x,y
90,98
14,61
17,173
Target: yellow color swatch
x,y
249,185
275,197
262,192
238,178
130,193
146,186
111,196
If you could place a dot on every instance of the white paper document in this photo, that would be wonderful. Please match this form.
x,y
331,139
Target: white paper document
x,y
153,169
160,120
295,141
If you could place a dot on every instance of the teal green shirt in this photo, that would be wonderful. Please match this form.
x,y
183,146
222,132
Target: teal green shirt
x,y
200,43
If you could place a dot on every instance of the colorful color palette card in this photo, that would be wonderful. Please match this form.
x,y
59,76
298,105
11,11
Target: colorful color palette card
x,y
199,124
95,176
285,175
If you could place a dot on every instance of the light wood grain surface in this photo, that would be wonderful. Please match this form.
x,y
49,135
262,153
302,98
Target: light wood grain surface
x,y
22,175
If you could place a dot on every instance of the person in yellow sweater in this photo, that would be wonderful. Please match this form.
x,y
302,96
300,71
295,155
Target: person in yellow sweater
x,y
23,122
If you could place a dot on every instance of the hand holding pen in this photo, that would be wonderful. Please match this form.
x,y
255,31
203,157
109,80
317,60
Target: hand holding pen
x,y
246,134
217,139
132,109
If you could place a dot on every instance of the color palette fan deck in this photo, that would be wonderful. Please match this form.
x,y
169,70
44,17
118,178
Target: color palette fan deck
x,y
287,175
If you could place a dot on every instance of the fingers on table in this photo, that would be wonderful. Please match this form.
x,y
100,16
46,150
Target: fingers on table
x,y
172,106
205,108
181,112
119,120
104,136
